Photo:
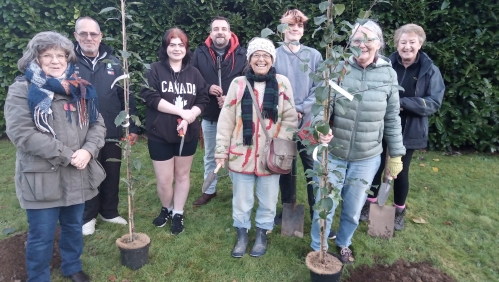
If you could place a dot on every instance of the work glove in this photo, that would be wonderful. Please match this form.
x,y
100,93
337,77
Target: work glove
x,y
394,165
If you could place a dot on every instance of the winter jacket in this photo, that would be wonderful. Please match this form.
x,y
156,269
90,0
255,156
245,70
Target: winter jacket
x,y
232,66
101,76
359,131
289,65
229,144
428,98
185,91
44,177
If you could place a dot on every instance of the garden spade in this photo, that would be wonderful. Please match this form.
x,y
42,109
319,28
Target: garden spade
x,y
209,179
292,214
181,134
381,217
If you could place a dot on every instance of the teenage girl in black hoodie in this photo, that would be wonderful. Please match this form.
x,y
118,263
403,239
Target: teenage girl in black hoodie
x,y
175,97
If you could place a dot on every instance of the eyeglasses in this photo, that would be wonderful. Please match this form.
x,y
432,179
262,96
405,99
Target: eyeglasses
x,y
258,56
50,57
367,41
92,34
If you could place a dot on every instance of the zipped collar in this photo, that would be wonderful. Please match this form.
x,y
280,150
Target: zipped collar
x,y
104,52
381,61
233,42
424,59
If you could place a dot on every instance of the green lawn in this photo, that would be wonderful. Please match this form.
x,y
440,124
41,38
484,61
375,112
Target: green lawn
x,y
456,195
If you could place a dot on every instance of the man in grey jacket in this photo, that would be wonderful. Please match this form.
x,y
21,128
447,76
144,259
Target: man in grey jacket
x,y
91,53
288,60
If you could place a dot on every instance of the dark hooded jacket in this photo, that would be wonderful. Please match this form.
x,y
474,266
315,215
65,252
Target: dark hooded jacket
x,y
101,73
427,99
232,66
184,89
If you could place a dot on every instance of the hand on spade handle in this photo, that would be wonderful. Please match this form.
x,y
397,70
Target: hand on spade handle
x,y
182,127
220,163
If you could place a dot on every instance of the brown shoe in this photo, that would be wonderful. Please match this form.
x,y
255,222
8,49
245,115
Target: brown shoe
x,y
205,198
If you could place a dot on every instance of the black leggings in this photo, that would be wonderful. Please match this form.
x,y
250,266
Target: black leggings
x,y
401,184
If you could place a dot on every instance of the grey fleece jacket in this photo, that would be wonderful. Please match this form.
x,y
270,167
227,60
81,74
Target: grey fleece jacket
x,y
359,131
288,64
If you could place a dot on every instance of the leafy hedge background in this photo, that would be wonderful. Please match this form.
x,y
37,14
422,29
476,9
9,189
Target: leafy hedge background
x,y
462,38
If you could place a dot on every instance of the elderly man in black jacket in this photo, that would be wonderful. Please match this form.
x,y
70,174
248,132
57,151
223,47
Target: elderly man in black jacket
x,y
219,60
97,65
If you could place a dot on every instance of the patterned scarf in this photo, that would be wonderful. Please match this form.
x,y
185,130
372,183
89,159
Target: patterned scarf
x,y
41,93
270,101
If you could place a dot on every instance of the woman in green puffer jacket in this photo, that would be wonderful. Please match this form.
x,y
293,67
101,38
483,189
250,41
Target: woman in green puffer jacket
x,y
358,133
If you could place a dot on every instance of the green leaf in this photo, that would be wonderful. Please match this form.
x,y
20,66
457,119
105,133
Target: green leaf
x,y
113,160
398,87
8,230
266,32
317,29
338,9
357,97
356,51
120,118
323,6
320,20
321,93
445,4
304,67
136,120
105,10
323,44
322,127
124,54
282,27
327,204
384,1
140,3
316,109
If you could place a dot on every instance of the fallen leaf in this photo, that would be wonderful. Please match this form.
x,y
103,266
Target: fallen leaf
x,y
437,160
419,220
8,230
422,165
111,278
234,280
426,188
421,158
448,222
125,280
435,169
350,258
409,249
227,230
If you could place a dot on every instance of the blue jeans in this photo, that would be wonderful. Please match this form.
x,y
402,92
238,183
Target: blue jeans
x,y
357,178
209,136
39,249
267,192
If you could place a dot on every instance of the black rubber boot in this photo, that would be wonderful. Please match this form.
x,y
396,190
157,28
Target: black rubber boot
x,y
260,246
242,243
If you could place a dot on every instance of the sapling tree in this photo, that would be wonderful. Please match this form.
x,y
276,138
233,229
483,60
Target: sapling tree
x,y
124,117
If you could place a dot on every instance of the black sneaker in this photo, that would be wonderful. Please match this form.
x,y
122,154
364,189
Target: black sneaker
x,y
364,213
162,218
177,224
346,254
278,219
399,219
332,234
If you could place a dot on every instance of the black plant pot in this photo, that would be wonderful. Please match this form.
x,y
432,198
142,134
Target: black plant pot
x,y
335,277
134,257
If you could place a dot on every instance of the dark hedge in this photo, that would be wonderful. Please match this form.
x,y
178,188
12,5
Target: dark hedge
x,y
462,38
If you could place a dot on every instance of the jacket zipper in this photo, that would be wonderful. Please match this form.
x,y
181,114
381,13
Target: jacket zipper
x,y
356,119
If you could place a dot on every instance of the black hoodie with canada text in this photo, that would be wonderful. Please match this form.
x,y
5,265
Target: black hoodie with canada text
x,y
184,89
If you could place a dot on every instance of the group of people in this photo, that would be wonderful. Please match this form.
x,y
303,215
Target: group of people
x,y
60,116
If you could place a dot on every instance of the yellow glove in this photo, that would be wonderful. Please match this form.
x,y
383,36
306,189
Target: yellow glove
x,y
394,165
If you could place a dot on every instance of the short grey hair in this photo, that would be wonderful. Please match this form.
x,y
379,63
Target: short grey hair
x,y
373,27
86,18
42,42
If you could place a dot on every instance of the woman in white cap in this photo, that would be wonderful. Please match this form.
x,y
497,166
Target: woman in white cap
x,y
240,140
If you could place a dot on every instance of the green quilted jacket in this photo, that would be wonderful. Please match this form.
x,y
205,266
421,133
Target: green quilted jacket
x,y
359,131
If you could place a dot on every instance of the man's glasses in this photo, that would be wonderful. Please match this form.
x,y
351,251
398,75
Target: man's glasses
x,y
367,41
86,34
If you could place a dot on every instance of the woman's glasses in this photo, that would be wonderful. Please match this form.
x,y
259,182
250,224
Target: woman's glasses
x,y
367,41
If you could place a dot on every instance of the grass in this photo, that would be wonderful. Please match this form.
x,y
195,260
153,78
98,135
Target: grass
x,y
456,195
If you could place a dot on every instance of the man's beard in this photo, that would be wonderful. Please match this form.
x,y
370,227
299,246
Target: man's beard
x,y
220,42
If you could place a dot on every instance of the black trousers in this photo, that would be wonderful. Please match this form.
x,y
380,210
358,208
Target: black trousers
x,y
106,202
401,184
288,192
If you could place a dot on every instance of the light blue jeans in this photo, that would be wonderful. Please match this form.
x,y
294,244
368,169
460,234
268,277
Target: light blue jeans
x,y
267,192
209,136
357,179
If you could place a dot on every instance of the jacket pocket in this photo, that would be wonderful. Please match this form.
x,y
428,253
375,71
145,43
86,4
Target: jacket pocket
x,y
96,173
41,181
